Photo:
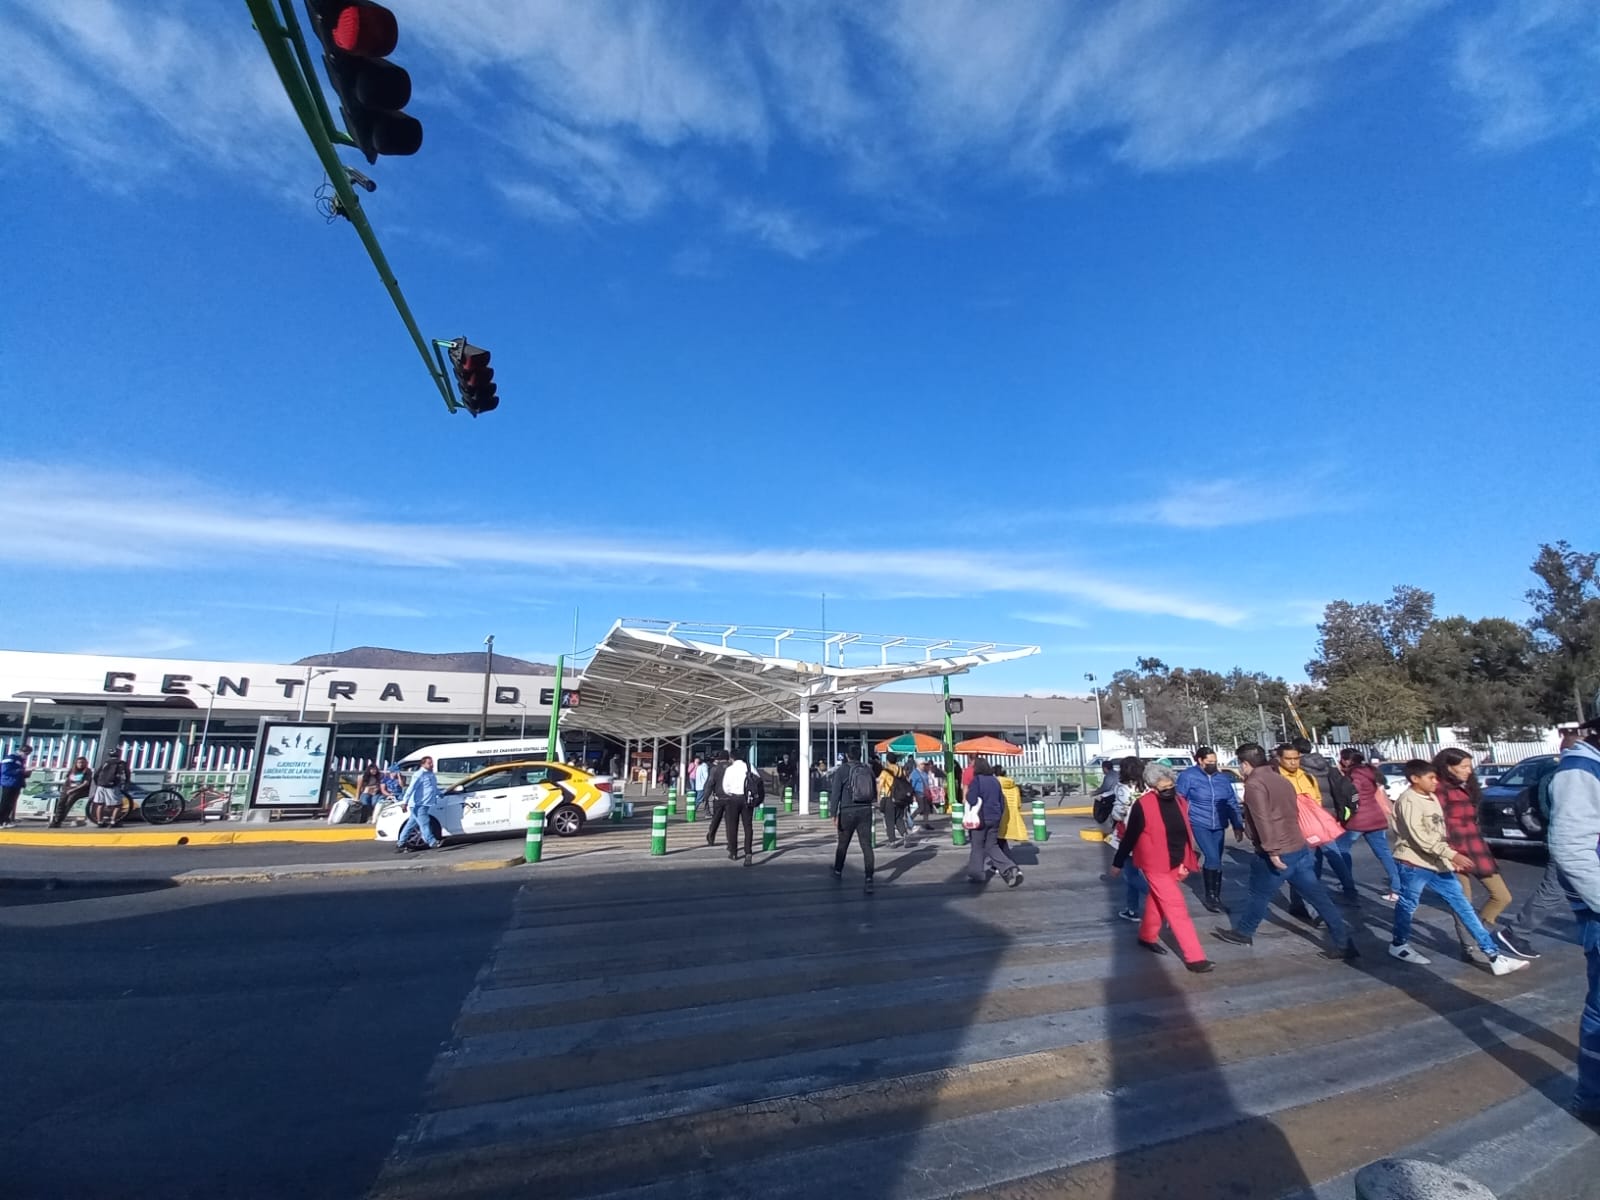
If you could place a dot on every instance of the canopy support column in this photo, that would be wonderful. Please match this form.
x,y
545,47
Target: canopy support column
x,y
804,781
655,764
683,764
727,732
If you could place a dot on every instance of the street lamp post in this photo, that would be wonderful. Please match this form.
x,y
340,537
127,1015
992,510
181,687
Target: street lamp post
x,y
1205,712
305,693
1099,729
488,670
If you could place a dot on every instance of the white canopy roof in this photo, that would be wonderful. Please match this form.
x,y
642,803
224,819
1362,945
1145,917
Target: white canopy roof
x,y
668,678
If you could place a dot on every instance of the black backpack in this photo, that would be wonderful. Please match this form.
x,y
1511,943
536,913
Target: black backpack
x,y
900,790
862,789
109,773
755,788
1103,804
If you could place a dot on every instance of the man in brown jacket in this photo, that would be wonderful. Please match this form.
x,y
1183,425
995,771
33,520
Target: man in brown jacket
x,y
1271,817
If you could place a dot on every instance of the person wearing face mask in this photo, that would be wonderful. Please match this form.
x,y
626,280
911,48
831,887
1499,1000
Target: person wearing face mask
x,y
1212,808
1158,839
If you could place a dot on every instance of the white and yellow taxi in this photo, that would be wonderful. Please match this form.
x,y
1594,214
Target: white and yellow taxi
x,y
498,799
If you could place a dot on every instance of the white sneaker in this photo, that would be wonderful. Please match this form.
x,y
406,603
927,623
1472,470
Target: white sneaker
x,y
1406,954
1504,964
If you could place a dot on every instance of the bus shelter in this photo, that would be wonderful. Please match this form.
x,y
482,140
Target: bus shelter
x,y
669,679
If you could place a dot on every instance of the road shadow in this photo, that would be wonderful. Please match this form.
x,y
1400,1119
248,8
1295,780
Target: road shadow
x,y
16,893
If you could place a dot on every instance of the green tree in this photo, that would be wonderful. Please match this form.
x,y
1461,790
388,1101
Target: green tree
x,y
1376,703
1363,637
1566,624
1483,675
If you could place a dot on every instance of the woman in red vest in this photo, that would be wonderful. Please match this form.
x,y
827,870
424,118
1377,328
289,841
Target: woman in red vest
x,y
1161,844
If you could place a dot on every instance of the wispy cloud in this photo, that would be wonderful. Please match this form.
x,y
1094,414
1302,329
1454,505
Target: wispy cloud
x,y
789,232
168,529
1068,620
144,639
1530,70
1223,503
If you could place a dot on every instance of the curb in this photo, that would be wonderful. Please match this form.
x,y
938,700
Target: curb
x,y
49,883
177,837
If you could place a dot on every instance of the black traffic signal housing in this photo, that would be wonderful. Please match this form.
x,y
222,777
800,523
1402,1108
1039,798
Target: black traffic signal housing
x,y
474,377
356,37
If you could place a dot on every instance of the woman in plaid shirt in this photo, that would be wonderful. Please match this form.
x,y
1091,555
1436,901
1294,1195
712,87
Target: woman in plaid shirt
x,y
1460,794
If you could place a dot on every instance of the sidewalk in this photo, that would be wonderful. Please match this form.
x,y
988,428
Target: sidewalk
x,y
184,833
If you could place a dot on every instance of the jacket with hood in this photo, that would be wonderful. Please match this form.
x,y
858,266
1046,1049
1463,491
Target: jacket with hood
x,y
1417,834
1321,771
1371,814
1574,833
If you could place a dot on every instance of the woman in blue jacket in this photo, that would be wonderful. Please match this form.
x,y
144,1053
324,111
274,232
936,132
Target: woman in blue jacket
x,y
1212,808
985,795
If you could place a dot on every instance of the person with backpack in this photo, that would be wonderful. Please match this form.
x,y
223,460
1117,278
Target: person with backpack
x,y
1573,836
1361,803
13,775
1211,809
856,793
987,801
895,794
740,791
111,779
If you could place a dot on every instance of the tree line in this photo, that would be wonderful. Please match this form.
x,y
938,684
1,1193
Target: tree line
x,y
1395,668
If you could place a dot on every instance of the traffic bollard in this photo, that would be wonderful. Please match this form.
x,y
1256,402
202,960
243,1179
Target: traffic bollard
x,y
788,799
690,808
658,830
822,805
672,794
1041,830
769,828
533,851
958,831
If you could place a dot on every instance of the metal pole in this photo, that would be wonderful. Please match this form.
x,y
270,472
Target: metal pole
x,y
805,755
958,833
1205,710
211,698
488,670
555,714
305,694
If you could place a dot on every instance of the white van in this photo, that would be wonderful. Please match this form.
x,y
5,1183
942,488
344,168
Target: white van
x,y
454,761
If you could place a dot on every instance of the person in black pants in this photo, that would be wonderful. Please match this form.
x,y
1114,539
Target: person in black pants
x,y
739,788
857,791
712,794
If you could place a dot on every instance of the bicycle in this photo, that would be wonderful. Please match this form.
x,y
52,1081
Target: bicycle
x,y
168,804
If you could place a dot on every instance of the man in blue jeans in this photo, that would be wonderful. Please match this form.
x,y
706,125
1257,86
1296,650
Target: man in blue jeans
x,y
1212,809
1272,819
421,798
1574,842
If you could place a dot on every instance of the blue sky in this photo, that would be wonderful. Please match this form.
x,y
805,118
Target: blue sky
x,y
1120,329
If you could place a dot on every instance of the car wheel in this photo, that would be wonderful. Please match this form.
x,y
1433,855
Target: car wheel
x,y
567,821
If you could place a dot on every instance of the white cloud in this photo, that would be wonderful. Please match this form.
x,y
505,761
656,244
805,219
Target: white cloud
x,y
1066,620
1224,503
145,639
169,529
789,233
1530,70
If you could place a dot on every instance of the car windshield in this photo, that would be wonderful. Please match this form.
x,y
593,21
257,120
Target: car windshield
x,y
1524,773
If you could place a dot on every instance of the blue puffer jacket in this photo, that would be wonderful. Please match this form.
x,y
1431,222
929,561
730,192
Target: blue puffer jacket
x,y
1212,804
985,792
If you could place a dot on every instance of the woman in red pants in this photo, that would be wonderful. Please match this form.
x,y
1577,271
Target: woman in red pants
x,y
1161,844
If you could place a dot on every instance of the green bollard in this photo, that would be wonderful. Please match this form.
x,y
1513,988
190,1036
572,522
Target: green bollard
x,y
769,828
658,830
533,850
691,808
958,831
672,795
788,799
1041,830
822,805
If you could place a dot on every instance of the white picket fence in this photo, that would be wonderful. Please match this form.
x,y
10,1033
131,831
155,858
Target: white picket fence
x,y
151,755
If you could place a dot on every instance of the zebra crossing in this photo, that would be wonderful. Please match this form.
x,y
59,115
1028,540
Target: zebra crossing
x,y
689,1028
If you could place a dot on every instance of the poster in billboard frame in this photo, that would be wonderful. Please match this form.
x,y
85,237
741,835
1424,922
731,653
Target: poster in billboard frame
x,y
291,767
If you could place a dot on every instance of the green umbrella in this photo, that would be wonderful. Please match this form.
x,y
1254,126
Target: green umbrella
x,y
910,743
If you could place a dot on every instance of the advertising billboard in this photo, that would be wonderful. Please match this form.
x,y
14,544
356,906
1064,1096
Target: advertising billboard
x,y
291,764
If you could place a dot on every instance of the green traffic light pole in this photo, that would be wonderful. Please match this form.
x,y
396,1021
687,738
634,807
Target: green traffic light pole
x,y
280,33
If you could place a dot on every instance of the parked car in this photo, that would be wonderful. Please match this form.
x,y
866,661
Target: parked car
x,y
1489,772
496,801
1511,813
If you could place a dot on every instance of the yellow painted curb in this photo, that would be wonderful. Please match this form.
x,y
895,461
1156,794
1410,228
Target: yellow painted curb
x,y
488,864
177,835
1091,835
1086,810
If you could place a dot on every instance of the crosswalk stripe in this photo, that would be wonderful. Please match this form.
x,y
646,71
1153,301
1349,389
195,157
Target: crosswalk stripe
x,y
1007,1051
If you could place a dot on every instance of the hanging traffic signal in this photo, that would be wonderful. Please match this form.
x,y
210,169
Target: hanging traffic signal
x,y
474,377
356,37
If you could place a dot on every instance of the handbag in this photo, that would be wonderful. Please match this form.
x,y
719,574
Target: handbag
x,y
971,816
1317,825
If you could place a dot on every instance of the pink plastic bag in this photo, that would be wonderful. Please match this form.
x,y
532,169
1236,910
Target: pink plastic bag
x,y
1317,825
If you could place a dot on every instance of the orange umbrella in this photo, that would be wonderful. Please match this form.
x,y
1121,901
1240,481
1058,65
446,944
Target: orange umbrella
x,y
987,745
910,743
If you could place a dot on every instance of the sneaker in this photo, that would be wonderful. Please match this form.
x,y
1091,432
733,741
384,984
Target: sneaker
x,y
836,872
1519,946
867,886
1204,966
1390,897
1013,878
1405,953
1501,965
1127,914
1230,935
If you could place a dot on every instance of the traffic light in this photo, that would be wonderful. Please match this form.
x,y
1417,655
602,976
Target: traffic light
x,y
474,377
356,36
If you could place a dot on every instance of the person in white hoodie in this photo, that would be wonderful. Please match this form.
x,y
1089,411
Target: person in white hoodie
x,y
1574,843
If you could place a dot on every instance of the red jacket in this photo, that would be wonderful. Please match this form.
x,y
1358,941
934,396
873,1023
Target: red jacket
x,y
1146,838
1461,828
1370,814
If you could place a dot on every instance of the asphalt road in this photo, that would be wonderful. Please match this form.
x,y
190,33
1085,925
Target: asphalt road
x,y
619,1025
221,1041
